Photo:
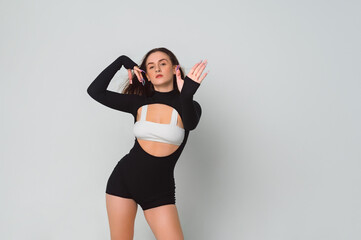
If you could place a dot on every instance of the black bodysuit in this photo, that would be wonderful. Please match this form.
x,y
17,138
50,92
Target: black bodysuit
x,y
146,178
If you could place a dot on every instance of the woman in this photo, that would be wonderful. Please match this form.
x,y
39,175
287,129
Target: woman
x,y
164,111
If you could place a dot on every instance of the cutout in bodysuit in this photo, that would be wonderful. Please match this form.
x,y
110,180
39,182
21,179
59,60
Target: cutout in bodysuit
x,y
158,138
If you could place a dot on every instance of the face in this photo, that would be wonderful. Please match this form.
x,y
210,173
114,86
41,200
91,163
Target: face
x,y
160,63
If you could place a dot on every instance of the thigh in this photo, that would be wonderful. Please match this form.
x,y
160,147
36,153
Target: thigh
x,y
121,216
164,222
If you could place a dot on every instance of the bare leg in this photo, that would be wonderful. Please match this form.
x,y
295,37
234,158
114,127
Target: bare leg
x,y
164,222
121,216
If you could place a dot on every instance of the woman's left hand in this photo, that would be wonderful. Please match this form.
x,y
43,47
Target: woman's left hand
x,y
194,74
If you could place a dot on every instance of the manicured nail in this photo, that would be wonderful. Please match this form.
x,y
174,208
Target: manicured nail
x,y
177,67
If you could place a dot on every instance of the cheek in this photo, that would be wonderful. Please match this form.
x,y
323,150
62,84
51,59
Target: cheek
x,y
150,73
169,69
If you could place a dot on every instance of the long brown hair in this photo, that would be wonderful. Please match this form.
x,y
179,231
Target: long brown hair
x,y
148,89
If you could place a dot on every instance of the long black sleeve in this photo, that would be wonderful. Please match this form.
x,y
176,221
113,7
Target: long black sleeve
x,y
191,110
98,88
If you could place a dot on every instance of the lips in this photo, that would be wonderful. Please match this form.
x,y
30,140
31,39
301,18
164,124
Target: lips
x,y
159,75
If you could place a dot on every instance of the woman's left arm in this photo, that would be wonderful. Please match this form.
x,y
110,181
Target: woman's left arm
x,y
191,110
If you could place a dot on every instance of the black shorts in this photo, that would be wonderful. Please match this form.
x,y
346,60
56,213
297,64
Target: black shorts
x,y
147,179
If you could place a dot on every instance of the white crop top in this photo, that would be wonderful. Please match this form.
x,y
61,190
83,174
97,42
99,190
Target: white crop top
x,y
160,132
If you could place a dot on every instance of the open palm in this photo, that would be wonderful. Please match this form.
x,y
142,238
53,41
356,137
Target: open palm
x,y
194,74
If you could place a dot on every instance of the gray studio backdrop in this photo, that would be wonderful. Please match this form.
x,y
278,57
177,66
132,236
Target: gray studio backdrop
x,y
276,155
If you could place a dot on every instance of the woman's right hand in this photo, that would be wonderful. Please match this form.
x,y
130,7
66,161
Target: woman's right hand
x,y
138,72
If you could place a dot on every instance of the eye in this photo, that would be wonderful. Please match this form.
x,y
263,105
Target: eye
x,y
150,67
163,63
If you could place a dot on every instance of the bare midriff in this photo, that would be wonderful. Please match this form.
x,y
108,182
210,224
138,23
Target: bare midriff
x,y
158,113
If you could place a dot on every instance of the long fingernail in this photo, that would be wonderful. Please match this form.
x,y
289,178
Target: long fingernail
x,y
177,67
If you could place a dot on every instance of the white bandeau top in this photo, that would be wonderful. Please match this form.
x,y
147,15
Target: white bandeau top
x,y
159,132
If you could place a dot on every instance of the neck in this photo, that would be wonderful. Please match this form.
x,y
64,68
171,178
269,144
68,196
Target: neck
x,y
164,89
165,92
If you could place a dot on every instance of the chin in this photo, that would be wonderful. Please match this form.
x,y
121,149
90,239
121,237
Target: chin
x,y
160,81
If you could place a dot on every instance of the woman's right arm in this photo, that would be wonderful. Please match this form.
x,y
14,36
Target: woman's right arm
x,y
98,88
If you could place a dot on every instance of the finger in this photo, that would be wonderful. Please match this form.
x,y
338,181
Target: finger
x,y
130,74
194,67
179,75
200,68
139,76
135,68
204,75
130,78
138,69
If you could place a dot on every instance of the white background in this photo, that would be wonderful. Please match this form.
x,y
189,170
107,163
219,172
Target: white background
x,y
276,155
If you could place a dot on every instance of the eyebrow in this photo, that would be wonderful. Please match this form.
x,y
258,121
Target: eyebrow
x,y
158,61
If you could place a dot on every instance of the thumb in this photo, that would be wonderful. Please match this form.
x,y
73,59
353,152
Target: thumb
x,y
178,73
130,75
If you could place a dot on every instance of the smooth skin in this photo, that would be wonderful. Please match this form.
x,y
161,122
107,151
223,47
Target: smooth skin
x,y
163,220
121,216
